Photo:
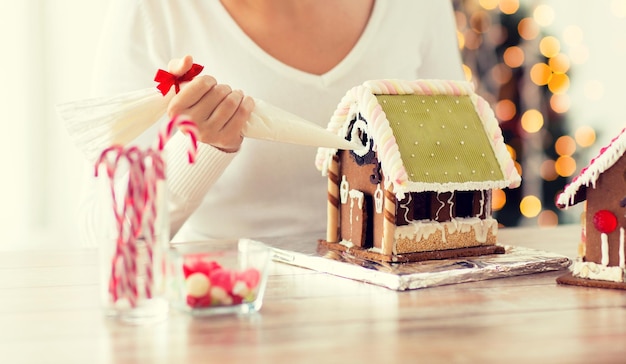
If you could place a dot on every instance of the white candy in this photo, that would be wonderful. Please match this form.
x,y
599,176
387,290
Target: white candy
x,y
220,296
197,285
240,289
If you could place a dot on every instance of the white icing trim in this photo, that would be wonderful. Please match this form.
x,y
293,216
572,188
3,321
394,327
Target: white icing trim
x,y
378,199
364,98
344,188
605,249
422,229
356,195
591,270
622,263
589,175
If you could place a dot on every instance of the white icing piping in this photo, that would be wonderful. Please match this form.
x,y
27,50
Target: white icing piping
x,y
605,249
451,203
482,203
622,263
378,199
440,207
422,229
344,187
358,196
405,207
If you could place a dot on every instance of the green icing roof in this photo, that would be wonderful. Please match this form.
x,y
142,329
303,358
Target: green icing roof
x,y
441,138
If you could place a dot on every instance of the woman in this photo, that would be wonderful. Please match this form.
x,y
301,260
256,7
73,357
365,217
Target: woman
x,y
300,55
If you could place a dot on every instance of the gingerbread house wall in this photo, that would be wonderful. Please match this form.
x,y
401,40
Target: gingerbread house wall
x,y
358,178
609,190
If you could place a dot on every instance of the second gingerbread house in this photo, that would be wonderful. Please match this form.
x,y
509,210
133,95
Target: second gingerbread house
x,y
602,185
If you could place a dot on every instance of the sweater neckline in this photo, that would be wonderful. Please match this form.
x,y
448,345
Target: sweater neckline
x,y
335,73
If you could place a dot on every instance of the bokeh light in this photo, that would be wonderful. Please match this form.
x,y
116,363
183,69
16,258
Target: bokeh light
x,y
509,6
565,166
532,121
585,136
565,145
501,73
460,39
547,218
505,110
480,22
549,46
468,72
512,151
560,63
559,83
547,170
530,206
560,103
543,15
533,114
489,4
528,28
498,199
540,74
513,56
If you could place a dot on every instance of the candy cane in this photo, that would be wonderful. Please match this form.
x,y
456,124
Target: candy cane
x,y
186,126
137,215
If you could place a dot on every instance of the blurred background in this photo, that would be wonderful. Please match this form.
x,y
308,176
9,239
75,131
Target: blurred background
x,y
552,70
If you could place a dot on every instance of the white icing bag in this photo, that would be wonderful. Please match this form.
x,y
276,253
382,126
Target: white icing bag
x,y
97,123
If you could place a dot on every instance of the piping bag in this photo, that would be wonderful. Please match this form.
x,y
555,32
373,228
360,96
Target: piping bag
x,y
97,123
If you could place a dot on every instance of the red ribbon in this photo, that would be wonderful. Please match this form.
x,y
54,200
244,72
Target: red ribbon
x,y
166,80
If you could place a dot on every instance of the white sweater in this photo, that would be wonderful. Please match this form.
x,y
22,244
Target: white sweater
x,y
267,188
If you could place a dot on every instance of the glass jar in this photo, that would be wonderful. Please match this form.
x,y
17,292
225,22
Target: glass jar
x,y
133,239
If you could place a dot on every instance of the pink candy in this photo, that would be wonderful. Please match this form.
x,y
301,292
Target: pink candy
x,y
209,284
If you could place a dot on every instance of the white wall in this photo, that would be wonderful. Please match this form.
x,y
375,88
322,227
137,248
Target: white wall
x,y
48,52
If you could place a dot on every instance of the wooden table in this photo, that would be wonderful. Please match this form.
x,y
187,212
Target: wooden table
x,y
49,313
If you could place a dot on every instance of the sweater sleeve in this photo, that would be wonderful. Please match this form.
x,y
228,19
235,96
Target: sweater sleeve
x,y
188,183
130,51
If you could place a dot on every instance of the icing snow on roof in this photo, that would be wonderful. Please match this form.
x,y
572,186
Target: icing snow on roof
x,y
430,135
575,191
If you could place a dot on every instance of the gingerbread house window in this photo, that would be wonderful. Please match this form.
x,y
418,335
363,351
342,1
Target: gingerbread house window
x,y
464,203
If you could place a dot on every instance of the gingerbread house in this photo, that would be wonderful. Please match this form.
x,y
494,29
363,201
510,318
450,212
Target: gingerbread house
x,y
602,185
420,188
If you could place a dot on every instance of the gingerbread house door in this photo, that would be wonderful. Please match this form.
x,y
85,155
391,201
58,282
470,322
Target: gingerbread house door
x,y
357,218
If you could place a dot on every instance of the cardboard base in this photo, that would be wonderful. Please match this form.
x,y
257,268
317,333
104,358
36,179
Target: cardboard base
x,y
359,252
569,279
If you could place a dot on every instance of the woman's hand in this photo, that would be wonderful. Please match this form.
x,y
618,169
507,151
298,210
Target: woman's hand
x,y
219,111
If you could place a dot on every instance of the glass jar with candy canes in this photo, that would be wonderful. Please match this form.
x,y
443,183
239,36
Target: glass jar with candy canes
x,y
134,236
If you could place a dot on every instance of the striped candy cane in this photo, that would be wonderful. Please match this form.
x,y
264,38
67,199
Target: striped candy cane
x,y
135,216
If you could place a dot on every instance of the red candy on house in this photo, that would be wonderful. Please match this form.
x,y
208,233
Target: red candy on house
x,y
605,221
225,286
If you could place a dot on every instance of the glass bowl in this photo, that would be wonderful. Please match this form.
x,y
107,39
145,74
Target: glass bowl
x,y
218,277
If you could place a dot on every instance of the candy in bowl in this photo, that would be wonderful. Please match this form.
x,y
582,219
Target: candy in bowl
x,y
223,276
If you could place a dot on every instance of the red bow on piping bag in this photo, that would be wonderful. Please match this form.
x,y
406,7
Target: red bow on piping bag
x,y
166,80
